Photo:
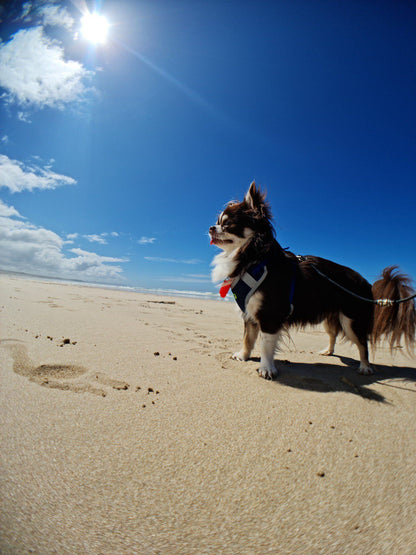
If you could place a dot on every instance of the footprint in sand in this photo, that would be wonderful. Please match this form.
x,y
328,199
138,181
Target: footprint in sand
x,y
67,377
111,382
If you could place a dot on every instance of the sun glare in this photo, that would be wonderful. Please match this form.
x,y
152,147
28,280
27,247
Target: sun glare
x,y
94,27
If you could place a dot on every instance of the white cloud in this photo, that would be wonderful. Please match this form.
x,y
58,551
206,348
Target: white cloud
x,y
34,72
18,177
25,247
70,238
56,16
5,139
97,238
24,116
8,211
100,237
97,258
171,260
146,240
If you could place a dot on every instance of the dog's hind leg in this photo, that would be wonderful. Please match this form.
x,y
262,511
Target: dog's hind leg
x,y
332,327
359,338
251,331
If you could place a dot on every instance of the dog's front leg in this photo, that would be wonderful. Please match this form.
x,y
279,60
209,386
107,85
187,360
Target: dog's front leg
x,y
267,368
251,331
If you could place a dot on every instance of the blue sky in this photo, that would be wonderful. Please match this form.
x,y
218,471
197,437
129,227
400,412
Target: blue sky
x,y
115,158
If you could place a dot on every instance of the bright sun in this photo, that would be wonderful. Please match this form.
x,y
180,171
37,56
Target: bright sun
x,y
94,27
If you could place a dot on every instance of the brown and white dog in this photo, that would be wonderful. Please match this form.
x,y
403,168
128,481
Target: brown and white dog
x,y
276,289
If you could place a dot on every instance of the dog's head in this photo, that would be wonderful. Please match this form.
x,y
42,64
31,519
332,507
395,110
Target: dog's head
x,y
241,222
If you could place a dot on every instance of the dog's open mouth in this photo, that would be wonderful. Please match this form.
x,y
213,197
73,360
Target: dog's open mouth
x,y
215,240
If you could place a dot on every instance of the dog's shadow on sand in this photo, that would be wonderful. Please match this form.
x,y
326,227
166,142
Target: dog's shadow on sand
x,y
322,377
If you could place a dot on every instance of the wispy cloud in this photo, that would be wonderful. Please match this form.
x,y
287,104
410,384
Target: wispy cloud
x,y
171,260
25,247
26,9
70,238
202,277
18,177
55,16
24,116
146,240
34,72
188,278
97,238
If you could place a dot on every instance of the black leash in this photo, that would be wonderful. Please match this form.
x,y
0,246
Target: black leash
x,y
379,302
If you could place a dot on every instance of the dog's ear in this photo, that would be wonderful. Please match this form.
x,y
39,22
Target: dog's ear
x,y
255,198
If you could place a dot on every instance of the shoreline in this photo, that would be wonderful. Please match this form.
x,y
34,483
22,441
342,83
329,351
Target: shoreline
x,y
208,295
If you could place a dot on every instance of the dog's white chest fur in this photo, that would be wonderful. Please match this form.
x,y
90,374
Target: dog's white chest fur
x,y
224,265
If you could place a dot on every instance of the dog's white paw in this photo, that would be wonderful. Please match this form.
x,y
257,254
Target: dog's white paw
x,y
239,356
268,371
326,352
366,370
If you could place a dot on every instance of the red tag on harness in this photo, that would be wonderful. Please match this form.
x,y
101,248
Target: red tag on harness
x,y
225,287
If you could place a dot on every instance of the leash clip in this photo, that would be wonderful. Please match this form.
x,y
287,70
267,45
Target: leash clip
x,y
385,302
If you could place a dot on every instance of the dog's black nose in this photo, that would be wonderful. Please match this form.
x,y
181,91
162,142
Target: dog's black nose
x,y
212,229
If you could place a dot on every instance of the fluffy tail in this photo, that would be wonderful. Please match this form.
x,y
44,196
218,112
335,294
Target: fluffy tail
x,y
396,322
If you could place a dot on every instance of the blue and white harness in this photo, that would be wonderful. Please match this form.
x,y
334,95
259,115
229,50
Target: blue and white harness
x,y
244,287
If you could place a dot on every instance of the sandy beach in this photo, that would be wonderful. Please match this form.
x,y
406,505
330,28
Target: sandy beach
x,y
126,428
